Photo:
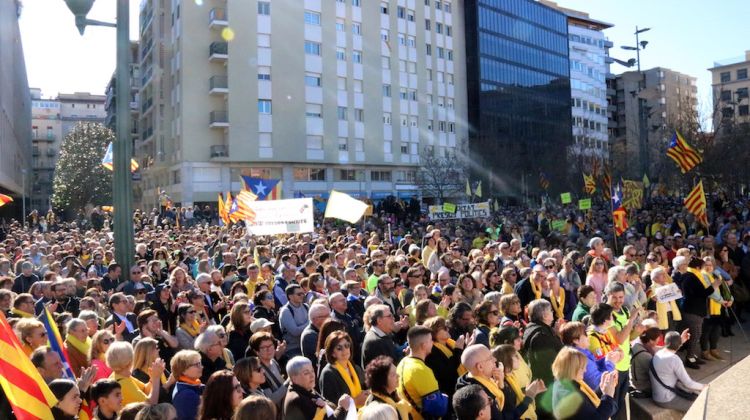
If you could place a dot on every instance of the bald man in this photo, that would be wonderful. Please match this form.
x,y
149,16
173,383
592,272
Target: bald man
x,y
484,371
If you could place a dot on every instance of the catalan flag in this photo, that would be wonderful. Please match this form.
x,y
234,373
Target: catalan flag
x,y
606,182
695,203
22,384
264,189
684,156
223,211
619,213
56,342
5,199
240,209
108,162
164,199
589,184
543,180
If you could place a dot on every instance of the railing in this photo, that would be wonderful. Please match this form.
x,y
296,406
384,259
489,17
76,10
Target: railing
x,y
147,104
218,82
219,151
219,117
218,47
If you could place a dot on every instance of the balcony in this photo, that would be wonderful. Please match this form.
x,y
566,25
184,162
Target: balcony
x,y
147,133
218,85
147,104
219,119
219,151
134,106
218,18
218,51
43,137
35,152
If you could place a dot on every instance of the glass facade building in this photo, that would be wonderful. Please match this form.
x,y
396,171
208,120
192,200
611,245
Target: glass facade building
x,y
518,81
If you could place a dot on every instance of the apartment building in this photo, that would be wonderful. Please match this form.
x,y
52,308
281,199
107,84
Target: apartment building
x,y
322,94
730,86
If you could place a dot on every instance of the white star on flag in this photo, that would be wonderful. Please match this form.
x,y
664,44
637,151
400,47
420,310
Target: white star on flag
x,y
260,189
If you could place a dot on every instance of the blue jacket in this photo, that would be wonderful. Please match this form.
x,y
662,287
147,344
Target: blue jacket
x,y
186,398
594,369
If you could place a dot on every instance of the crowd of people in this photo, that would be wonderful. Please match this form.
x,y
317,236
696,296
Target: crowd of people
x,y
398,318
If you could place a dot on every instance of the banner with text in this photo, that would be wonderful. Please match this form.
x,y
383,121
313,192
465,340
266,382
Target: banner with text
x,y
462,211
282,216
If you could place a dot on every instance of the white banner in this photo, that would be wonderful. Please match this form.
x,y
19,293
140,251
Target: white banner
x,y
282,216
668,293
463,211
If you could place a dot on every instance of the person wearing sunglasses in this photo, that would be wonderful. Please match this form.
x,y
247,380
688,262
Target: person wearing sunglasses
x,y
250,375
340,376
488,317
187,368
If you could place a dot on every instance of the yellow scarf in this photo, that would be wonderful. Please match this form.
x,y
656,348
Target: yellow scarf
x,y
494,390
448,352
401,407
82,346
511,381
537,291
351,380
193,329
661,309
714,307
21,314
558,304
587,391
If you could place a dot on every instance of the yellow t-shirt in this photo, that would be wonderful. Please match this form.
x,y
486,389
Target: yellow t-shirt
x,y
416,379
133,390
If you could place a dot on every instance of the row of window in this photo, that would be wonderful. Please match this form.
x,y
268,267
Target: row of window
x,y
727,76
589,124
591,142
319,174
587,40
740,94
527,32
408,14
526,55
532,12
587,106
593,90
591,72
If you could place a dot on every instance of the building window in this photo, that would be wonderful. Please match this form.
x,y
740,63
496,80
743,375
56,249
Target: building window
x,y
264,8
347,175
384,8
356,3
357,56
264,106
401,12
341,113
312,18
314,142
427,24
742,93
385,62
387,91
724,76
340,25
356,29
726,95
359,115
741,74
313,110
380,176
428,49
438,27
312,48
343,145
312,80
309,174
384,35
404,149
387,118
265,140
448,30
340,54
341,83
743,110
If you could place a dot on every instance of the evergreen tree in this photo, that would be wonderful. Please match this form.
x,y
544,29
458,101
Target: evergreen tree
x,y
80,178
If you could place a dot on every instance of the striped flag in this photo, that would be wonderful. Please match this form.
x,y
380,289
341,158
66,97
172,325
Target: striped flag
x,y
684,156
589,184
240,209
543,180
107,161
56,342
695,203
606,182
5,199
22,384
619,213
264,189
223,215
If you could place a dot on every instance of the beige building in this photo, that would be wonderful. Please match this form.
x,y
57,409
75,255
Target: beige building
x,y
322,94
730,83
51,120
15,111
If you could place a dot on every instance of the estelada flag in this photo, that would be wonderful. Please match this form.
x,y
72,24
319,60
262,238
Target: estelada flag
x,y
21,382
5,199
695,203
683,155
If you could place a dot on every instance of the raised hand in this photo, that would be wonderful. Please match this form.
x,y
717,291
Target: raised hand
x,y
535,388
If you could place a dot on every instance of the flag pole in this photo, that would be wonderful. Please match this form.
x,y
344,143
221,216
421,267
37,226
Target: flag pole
x,y
612,215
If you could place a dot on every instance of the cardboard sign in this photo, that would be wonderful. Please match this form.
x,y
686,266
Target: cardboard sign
x,y
558,225
566,198
584,204
668,293
462,211
449,207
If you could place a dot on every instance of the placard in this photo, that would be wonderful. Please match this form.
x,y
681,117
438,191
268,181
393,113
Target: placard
x,y
274,217
558,225
584,204
463,211
566,198
449,207
668,293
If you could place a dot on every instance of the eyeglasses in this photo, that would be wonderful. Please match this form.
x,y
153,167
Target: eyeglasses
x,y
258,369
197,364
343,346
549,267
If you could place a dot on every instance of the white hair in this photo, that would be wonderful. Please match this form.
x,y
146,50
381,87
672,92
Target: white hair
x,y
316,310
678,261
205,340
295,365
378,411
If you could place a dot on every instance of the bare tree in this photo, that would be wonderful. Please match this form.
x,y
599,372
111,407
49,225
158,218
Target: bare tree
x,y
441,176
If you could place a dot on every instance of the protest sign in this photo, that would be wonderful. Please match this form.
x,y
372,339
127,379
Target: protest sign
x,y
273,217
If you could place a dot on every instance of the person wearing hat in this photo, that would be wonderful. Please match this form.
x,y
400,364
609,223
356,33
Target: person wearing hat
x,y
261,325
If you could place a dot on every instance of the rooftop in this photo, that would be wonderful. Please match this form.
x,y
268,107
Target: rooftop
x,y
733,60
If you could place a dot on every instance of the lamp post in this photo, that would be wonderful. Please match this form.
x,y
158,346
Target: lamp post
x,y
23,199
642,114
122,198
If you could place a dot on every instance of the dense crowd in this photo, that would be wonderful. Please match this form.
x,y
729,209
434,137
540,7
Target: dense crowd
x,y
398,318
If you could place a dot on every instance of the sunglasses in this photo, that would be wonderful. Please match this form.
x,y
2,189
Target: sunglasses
x,y
549,267
108,341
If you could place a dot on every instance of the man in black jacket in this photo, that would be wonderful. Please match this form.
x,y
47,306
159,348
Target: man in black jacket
x,y
540,341
118,305
23,281
378,340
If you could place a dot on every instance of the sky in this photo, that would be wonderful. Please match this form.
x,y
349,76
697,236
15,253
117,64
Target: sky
x,y
685,36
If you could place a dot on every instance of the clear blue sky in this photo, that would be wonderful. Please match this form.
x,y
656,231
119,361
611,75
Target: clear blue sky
x,y
686,36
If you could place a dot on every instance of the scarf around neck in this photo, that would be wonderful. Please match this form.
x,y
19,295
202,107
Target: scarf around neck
x,y
351,379
447,349
558,302
21,314
83,347
193,329
587,391
492,387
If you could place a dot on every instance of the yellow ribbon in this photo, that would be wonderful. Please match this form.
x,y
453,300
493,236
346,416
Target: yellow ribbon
x,y
714,307
537,291
587,391
351,380
447,350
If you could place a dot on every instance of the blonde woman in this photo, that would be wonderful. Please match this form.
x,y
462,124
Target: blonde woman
x,y
224,339
145,354
572,398
100,342
120,359
32,334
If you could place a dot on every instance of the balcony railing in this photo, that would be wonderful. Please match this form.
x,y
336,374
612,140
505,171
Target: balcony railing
x,y
44,137
219,151
147,104
218,50
217,17
219,119
218,84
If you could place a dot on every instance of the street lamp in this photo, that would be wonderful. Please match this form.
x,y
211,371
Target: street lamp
x,y
642,114
122,198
